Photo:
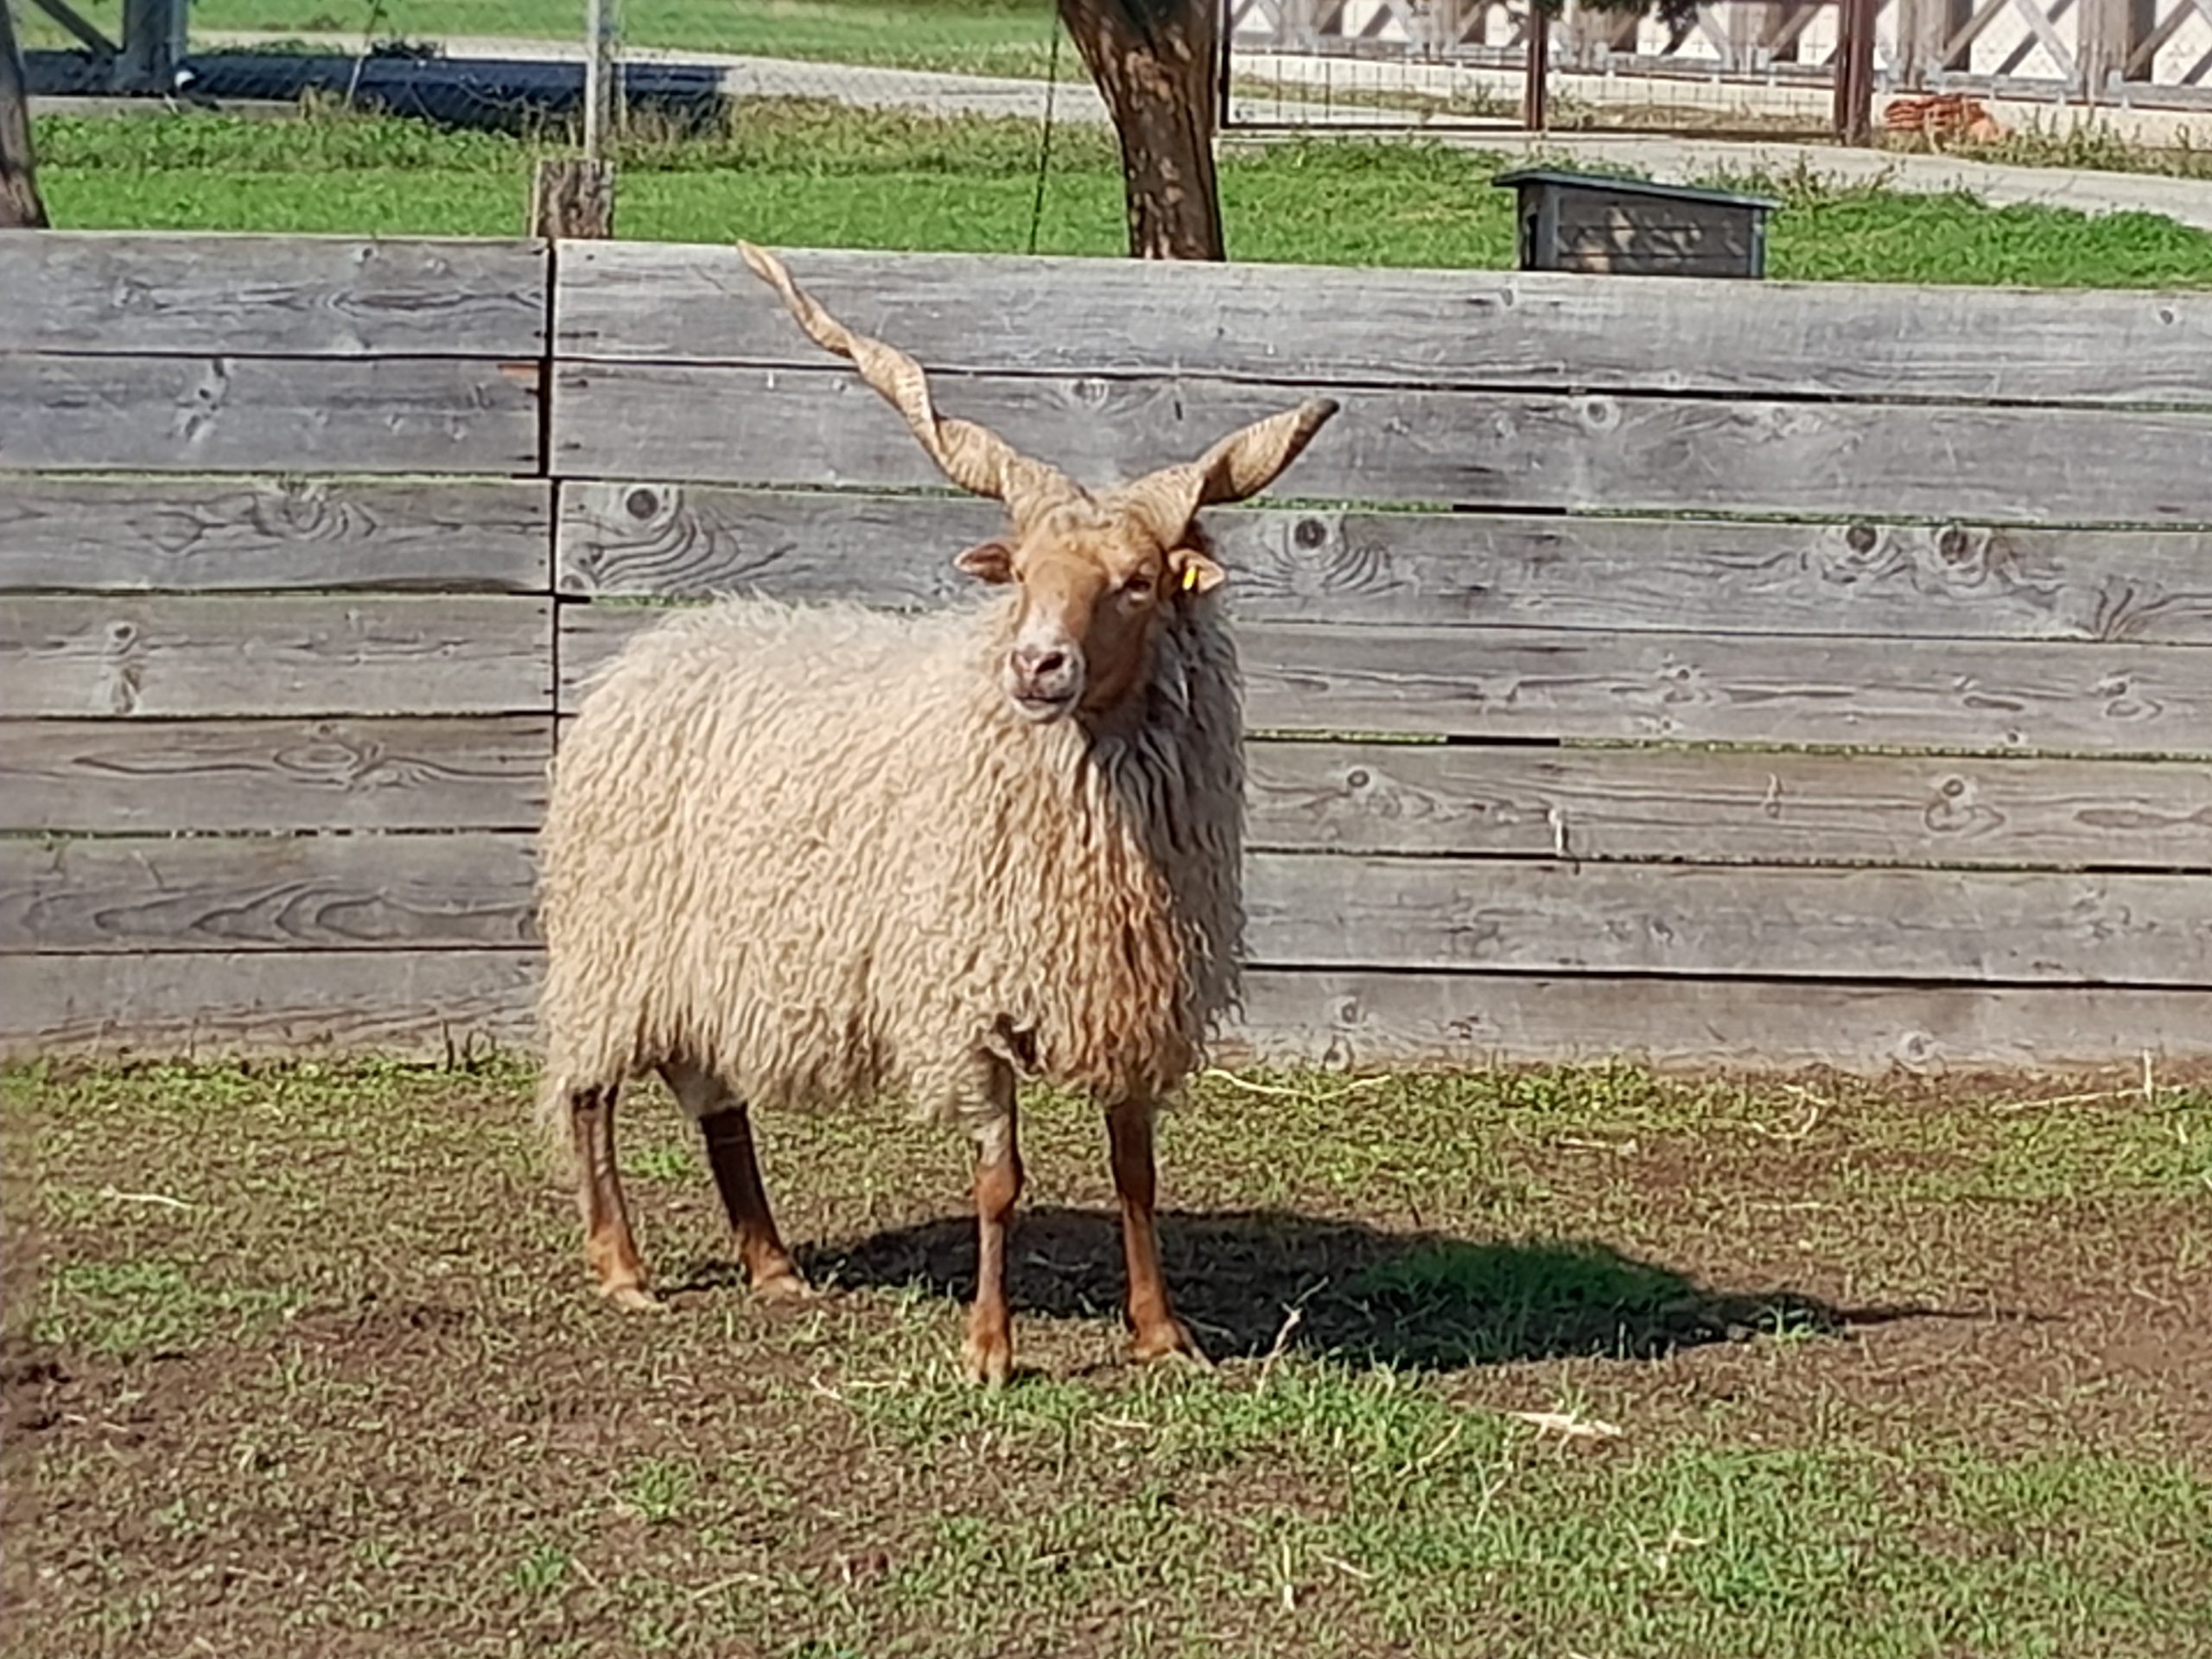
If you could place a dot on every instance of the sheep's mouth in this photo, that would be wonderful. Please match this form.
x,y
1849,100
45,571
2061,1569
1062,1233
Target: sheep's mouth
x,y
1044,706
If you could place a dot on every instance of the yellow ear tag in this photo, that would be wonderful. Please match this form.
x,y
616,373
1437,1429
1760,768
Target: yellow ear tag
x,y
1189,577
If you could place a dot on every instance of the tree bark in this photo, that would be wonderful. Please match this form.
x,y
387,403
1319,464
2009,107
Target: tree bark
x,y
1154,62
20,206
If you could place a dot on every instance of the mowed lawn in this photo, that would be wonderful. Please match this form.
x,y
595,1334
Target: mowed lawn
x,y
803,175
300,1360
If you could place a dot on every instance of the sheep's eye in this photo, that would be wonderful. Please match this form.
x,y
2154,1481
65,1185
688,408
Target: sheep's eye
x,y
1139,586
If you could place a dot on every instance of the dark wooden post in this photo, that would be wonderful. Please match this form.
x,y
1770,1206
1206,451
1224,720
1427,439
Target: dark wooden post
x,y
1853,115
21,209
152,45
1535,85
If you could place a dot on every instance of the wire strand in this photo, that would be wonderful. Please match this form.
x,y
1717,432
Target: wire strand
x,y
1044,139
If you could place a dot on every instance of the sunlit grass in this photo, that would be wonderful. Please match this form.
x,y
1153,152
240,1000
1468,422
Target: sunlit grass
x,y
807,174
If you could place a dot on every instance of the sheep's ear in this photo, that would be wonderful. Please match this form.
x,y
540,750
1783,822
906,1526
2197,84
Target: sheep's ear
x,y
991,562
1194,572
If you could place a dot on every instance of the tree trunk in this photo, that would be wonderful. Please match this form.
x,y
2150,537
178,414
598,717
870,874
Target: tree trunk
x,y
20,206
1154,62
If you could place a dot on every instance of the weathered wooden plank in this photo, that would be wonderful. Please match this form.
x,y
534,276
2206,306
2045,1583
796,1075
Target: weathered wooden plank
x,y
1680,688
1393,327
272,295
103,777
1950,581
209,534
233,414
1373,1020
1729,689
646,538
1722,806
282,655
270,892
1498,450
432,1004
1540,917
426,1004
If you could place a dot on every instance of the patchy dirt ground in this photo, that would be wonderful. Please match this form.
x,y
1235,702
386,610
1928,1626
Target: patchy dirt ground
x,y
302,1361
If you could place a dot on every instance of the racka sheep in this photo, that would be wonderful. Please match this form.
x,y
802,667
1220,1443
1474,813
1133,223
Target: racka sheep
x,y
807,856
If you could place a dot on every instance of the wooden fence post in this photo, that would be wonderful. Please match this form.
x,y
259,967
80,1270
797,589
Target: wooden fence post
x,y
572,197
2112,33
1853,115
1536,86
152,45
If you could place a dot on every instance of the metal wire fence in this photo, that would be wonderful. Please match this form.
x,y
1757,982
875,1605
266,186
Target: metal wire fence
x,y
967,38
1755,66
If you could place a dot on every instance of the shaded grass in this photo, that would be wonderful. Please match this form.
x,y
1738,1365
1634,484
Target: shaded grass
x,y
346,1393
801,175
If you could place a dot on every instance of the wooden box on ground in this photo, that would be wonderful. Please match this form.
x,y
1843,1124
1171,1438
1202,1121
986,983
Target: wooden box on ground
x,y
1626,227
1803,673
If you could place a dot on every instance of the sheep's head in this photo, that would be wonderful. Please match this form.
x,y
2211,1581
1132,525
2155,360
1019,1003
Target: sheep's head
x,y
1098,572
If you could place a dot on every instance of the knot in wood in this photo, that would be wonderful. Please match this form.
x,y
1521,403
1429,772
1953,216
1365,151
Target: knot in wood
x,y
1311,533
641,504
1916,1049
1860,538
1600,413
1955,544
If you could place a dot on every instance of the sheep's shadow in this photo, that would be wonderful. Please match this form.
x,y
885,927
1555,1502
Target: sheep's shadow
x,y
1420,1299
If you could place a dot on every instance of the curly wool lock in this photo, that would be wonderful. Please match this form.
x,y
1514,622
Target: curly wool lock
x,y
816,852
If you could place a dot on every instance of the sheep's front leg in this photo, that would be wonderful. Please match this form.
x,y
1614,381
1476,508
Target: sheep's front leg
x,y
988,1355
1157,1332
609,1249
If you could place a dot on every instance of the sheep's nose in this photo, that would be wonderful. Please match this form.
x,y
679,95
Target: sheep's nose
x,y
1039,662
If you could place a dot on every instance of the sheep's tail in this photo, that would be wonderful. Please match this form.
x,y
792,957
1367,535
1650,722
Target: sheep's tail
x,y
559,1077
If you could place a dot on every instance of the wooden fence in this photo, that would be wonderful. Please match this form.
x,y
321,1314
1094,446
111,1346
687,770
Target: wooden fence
x,y
1751,673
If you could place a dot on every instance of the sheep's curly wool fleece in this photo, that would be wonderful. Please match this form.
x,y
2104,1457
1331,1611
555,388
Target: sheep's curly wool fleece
x,y
814,850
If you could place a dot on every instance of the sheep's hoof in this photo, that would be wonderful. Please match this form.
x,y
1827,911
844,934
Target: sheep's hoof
x,y
1168,1340
784,1287
987,1361
633,1299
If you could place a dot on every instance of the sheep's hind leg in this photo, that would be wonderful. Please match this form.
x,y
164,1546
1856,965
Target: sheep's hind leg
x,y
987,1356
609,1249
1157,1333
727,1127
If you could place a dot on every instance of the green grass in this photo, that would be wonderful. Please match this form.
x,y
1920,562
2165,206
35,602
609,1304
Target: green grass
x,y
1544,1393
802,174
986,37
